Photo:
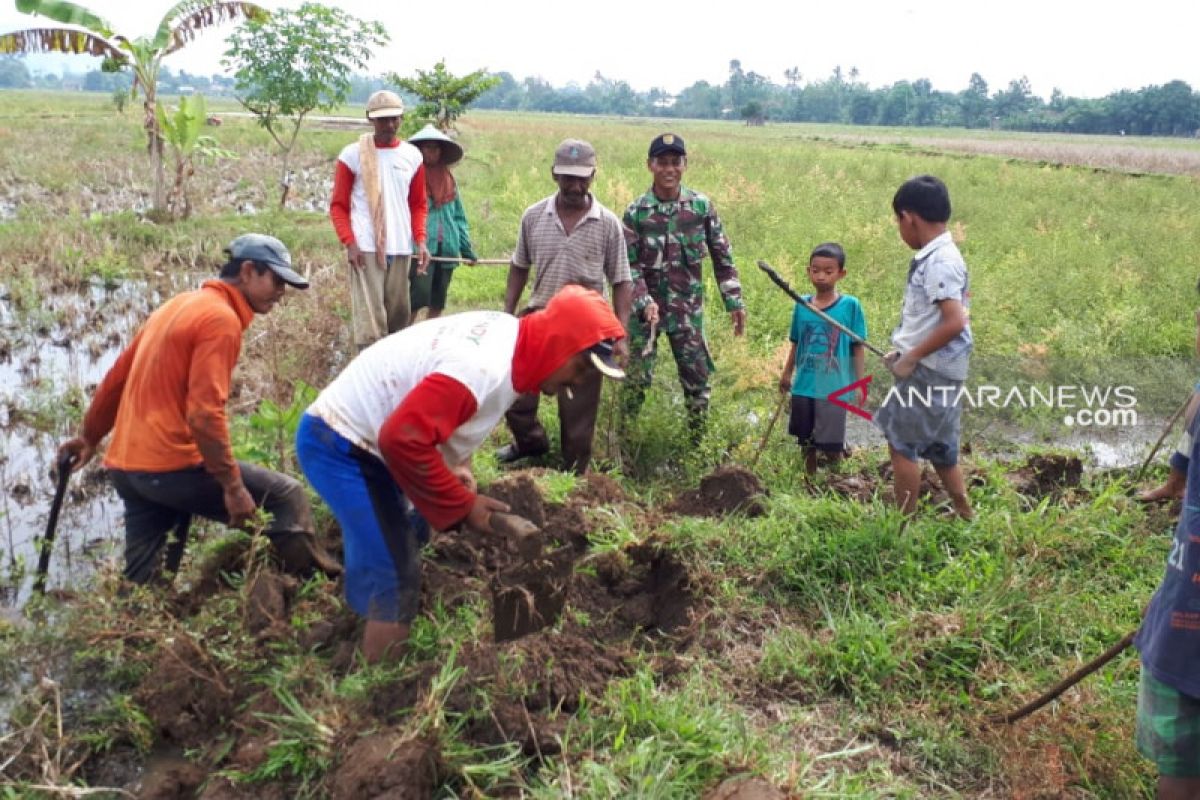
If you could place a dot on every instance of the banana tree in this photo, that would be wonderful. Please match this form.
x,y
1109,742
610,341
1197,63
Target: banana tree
x,y
181,129
91,34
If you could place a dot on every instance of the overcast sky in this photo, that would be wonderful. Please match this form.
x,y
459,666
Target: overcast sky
x,y
1085,49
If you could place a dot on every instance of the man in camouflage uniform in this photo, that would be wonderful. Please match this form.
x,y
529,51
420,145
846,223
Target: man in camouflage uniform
x,y
670,229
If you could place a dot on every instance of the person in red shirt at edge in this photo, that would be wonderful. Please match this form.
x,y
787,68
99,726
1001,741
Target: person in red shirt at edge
x,y
400,423
379,212
164,401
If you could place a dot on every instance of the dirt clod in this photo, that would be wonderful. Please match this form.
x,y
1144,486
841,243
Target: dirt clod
x,y
743,788
727,490
178,779
1047,475
599,489
386,766
183,695
528,597
523,496
267,600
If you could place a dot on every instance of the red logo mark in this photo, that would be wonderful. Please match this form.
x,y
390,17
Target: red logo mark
x,y
860,385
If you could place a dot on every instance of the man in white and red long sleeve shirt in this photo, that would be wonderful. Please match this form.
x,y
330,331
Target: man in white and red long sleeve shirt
x,y
402,420
378,210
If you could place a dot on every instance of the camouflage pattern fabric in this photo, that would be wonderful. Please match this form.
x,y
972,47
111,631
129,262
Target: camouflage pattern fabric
x,y
668,241
692,359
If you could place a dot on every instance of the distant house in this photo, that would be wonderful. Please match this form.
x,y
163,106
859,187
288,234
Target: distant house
x,y
187,90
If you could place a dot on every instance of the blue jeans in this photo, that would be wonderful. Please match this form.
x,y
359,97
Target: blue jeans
x,y
381,536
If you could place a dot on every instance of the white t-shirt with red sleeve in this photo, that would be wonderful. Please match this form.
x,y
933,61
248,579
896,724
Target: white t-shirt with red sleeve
x,y
398,167
426,397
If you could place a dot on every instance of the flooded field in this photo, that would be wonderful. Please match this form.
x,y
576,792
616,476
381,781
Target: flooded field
x,y
55,346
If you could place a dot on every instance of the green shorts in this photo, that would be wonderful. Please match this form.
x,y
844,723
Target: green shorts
x,y
1168,728
430,289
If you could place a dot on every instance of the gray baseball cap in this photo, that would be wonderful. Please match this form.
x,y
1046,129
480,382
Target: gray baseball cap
x,y
575,157
266,250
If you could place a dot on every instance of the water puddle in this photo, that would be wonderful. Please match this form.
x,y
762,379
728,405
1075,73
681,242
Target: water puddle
x,y
55,347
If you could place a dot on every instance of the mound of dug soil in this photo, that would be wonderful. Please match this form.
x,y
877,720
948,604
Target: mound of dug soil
x,y
185,695
726,490
1047,475
598,606
384,766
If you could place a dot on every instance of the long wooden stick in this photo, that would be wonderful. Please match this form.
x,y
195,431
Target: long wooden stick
x,y
1154,450
774,418
792,293
1067,682
481,261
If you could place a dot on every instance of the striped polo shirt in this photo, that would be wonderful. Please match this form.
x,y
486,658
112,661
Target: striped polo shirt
x,y
594,255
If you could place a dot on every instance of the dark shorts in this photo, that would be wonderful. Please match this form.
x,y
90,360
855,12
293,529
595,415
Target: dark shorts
x,y
921,418
1168,728
818,424
431,289
159,507
381,535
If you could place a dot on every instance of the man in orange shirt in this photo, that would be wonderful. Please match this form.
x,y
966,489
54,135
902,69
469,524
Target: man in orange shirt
x,y
164,399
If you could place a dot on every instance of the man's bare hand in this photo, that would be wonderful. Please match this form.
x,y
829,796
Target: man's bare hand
x,y
77,450
422,259
355,256
901,366
480,515
239,505
650,313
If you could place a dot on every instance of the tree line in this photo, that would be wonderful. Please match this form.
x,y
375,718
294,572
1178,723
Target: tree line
x,y
1172,109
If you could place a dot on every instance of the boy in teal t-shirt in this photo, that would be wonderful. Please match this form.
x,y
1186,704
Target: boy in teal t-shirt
x,y
823,359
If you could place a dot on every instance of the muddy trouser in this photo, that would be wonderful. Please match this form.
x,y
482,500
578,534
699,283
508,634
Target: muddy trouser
x,y
576,419
691,358
381,535
158,502
379,302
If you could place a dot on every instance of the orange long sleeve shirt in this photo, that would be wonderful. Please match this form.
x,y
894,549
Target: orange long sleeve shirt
x,y
164,399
